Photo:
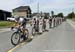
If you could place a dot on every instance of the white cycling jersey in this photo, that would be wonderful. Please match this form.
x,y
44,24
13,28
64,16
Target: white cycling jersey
x,y
20,20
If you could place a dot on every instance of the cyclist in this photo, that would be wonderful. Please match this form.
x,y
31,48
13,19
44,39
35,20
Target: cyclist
x,y
44,24
54,21
21,24
50,22
37,24
34,22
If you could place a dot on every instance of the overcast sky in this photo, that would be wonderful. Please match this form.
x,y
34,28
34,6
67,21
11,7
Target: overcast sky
x,y
57,6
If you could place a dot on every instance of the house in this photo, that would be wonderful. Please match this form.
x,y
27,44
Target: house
x,y
4,14
23,11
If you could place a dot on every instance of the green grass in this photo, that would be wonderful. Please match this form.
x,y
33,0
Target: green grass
x,y
6,24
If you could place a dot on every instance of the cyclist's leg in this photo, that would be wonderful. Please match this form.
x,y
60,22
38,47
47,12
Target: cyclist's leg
x,y
23,31
34,27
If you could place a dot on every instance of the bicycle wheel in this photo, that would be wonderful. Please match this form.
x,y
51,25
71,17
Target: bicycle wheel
x,y
26,33
33,31
15,38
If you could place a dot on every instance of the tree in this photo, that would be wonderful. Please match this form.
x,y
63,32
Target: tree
x,y
60,15
71,15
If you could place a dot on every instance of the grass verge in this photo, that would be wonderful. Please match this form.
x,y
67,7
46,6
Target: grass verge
x,y
4,24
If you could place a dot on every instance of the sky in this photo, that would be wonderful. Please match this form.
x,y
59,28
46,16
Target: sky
x,y
64,6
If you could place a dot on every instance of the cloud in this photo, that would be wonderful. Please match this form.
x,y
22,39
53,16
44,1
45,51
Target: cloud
x,y
64,6
9,4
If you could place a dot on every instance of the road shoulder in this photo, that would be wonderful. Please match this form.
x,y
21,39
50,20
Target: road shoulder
x,y
4,30
72,23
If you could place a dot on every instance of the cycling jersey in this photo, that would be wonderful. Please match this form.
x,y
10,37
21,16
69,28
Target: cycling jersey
x,y
22,21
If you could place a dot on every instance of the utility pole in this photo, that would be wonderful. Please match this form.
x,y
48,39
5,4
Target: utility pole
x,y
38,9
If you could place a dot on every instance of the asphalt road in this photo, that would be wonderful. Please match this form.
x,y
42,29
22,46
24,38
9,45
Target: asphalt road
x,y
5,42
5,39
59,39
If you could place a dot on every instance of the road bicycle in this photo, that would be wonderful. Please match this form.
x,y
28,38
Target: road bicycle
x,y
18,35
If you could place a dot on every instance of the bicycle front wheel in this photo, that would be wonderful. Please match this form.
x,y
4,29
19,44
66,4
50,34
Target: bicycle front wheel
x,y
15,38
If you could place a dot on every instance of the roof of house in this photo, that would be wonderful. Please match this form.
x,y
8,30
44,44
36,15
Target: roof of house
x,y
4,11
22,7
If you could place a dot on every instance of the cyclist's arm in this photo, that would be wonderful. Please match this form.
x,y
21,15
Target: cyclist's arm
x,y
15,23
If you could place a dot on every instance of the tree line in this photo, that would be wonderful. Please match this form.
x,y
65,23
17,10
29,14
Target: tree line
x,y
70,15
